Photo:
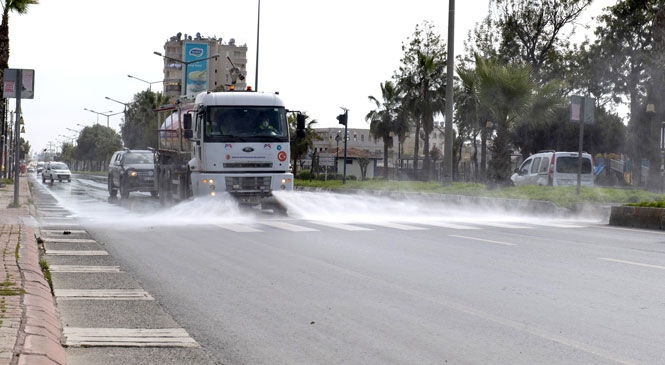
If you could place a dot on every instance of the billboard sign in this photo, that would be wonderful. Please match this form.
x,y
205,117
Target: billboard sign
x,y
196,67
582,109
10,83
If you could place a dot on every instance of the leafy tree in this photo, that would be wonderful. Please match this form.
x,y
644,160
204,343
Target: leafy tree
x,y
140,125
532,32
624,51
422,81
96,144
382,120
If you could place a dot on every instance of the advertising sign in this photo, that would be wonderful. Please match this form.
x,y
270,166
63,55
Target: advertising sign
x,y
10,83
196,68
582,109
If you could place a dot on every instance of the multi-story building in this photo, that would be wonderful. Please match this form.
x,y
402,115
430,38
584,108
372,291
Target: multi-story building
x,y
189,66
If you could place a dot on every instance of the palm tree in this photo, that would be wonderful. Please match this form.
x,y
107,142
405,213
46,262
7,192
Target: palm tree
x,y
507,91
382,119
140,125
424,96
300,147
20,7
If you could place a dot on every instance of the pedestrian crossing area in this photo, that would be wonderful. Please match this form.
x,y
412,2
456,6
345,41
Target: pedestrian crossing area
x,y
316,226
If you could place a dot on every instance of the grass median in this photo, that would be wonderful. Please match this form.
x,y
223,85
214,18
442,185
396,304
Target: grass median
x,y
563,196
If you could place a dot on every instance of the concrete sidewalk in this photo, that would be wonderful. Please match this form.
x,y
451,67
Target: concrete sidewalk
x,y
30,329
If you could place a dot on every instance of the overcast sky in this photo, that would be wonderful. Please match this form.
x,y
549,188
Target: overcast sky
x,y
319,55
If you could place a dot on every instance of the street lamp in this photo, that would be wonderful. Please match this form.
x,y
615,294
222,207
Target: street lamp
x,y
119,102
183,89
104,114
98,113
147,82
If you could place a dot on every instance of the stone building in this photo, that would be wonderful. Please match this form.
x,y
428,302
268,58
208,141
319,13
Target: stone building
x,y
192,56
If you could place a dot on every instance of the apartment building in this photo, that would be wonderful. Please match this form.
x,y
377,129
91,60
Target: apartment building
x,y
189,66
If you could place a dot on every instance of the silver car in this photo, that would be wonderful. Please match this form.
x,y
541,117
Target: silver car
x,y
56,171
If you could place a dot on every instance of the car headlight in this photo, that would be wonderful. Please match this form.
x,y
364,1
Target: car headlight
x,y
132,173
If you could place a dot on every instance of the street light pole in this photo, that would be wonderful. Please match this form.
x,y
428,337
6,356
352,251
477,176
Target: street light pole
x,y
183,88
147,82
104,114
98,113
110,115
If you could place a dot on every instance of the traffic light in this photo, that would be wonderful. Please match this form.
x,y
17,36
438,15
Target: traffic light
x,y
342,118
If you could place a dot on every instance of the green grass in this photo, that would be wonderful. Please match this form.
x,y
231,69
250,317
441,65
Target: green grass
x,y
566,197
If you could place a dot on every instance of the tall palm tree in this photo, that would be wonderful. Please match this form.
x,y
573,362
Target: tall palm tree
x,y
382,119
507,91
20,7
424,90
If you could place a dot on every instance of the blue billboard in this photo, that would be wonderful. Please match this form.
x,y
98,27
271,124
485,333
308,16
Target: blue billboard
x,y
196,68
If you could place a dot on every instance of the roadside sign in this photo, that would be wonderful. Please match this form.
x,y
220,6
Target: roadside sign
x,y
326,159
582,109
10,83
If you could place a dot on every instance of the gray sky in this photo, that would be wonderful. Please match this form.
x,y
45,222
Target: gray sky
x,y
319,55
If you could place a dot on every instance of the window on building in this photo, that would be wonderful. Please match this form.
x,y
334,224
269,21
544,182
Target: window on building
x,y
362,138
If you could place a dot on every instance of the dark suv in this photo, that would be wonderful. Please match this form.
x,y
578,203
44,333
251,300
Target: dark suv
x,y
132,170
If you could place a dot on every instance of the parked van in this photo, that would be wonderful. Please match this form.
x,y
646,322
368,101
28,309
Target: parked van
x,y
554,169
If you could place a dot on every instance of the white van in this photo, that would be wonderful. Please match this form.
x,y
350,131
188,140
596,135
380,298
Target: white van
x,y
554,169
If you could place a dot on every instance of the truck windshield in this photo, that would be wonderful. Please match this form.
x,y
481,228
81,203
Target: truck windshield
x,y
254,123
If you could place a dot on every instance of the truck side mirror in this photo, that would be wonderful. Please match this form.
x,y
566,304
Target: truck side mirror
x,y
187,122
189,134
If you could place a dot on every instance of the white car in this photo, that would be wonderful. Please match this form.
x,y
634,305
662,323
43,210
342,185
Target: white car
x,y
550,168
56,171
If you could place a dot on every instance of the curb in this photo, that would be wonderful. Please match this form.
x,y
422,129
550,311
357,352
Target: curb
x,y
39,342
638,217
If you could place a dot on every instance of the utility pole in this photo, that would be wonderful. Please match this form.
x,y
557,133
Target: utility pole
x,y
448,139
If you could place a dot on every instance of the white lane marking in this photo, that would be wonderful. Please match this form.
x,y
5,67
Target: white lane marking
x,y
69,240
346,227
399,226
503,225
555,225
132,337
102,294
83,268
289,227
632,263
61,232
238,227
448,225
76,252
484,240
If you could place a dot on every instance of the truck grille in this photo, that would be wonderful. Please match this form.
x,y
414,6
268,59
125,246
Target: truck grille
x,y
245,165
247,184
